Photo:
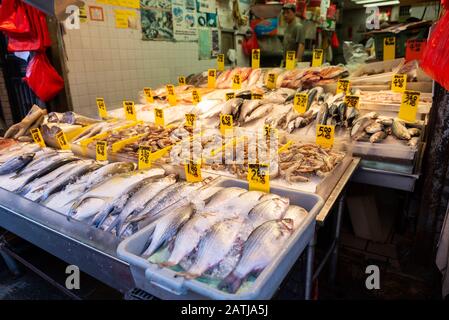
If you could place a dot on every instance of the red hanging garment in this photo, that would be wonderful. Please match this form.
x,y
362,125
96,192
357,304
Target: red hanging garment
x,y
249,44
13,18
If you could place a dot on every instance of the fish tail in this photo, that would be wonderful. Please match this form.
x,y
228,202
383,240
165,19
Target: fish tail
x,y
231,283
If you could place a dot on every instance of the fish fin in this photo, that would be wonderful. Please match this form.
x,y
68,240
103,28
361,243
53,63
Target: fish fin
x,y
231,283
188,276
77,203
167,264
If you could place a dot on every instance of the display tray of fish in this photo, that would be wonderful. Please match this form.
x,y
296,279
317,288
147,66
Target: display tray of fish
x,y
227,243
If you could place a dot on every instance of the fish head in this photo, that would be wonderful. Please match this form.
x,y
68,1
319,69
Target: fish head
x,y
287,224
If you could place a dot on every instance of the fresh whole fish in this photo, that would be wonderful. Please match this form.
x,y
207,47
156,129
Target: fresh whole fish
x,y
400,131
271,209
414,132
359,126
297,214
378,137
374,127
248,107
260,112
16,163
17,150
231,106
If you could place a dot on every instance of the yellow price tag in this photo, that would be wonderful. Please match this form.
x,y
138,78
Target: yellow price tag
x,y
258,177
256,96
317,59
226,122
352,101
62,141
37,137
159,117
148,95
190,119
269,131
399,83
409,105
220,62
101,151
102,112
144,157
389,48
255,61
325,135
172,100
211,78
290,60
343,86
182,81
300,102
130,110
271,80
196,97
193,171
236,82
230,95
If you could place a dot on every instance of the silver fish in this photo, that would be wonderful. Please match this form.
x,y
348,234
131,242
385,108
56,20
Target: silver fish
x,y
378,137
297,214
374,127
414,132
17,150
400,131
248,107
271,209
260,112
16,163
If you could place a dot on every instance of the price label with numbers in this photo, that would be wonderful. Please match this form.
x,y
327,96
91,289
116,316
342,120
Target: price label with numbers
x,y
256,96
269,131
144,157
182,81
343,86
255,61
148,95
211,78
271,80
172,100
196,97
159,117
62,141
409,105
389,48
221,62
230,95
193,171
130,110
317,60
325,135
415,49
226,122
236,82
190,119
102,112
258,177
399,83
290,59
37,137
352,101
101,151
300,102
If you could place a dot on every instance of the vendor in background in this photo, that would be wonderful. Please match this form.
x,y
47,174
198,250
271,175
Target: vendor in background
x,y
294,32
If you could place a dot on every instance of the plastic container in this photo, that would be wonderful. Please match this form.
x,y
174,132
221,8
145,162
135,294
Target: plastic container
x,y
163,283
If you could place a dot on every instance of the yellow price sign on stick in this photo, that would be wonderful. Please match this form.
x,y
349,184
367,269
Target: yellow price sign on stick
x,y
102,112
144,157
196,97
37,137
159,117
211,78
399,83
62,141
258,177
317,59
290,59
221,62
255,61
300,102
148,95
343,86
130,110
229,96
409,105
389,48
352,101
325,135
190,119
226,122
193,171
271,80
172,100
101,150
236,82
256,96
182,81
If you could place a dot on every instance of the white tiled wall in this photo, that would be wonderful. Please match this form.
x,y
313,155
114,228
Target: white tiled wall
x,y
104,61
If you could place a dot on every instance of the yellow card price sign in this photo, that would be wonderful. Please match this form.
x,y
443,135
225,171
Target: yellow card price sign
x,y
399,83
101,149
220,62
258,177
389,48
148,95
256,96
159,117
102,112
290,59
172,100
230,95
409,105
343,86
255,61
226,122
62,141
211,78
352,101
182,81
300,102
130,110
269,131
37,137
271,80
236,82
190,119
144,157
325,135
317,59
193,171
196,97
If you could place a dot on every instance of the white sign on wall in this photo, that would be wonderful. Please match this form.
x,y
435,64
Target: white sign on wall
x,y
372,18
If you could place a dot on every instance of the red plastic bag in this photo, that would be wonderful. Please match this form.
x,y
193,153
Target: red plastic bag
x,y
434,59
42,78
334,41
13,18
249,44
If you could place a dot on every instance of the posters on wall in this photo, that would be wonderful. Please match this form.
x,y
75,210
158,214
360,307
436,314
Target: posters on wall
x,y
125,19
135,4
184,20
157,20
204,43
